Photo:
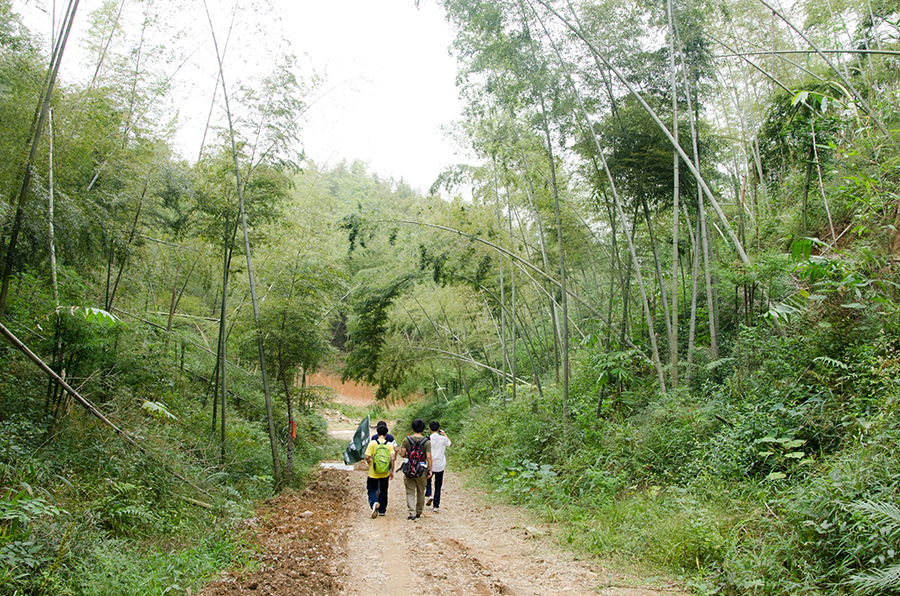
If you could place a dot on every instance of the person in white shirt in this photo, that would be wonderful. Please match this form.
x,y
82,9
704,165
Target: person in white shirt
x,y
439,443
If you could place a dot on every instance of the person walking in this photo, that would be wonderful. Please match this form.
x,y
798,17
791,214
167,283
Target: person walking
x,y
388,436
380,456
439,443
416,448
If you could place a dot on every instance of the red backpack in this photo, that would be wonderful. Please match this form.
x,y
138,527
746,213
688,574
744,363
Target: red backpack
x,y
415,464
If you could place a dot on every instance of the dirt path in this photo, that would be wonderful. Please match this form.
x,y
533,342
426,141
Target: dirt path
x,y
323,541
472,547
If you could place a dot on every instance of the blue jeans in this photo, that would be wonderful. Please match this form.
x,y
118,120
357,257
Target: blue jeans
x,y
378,492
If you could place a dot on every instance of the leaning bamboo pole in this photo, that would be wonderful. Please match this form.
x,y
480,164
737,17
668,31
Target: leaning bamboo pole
x,y
273,442
657,363
91,408
851,89
701,181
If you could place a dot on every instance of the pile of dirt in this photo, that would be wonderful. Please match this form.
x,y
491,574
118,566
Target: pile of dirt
x,y
299,536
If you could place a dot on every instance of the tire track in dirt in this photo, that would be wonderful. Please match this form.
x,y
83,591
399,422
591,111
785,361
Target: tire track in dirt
x,y
471,548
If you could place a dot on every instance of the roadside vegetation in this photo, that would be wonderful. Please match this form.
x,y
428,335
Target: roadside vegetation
x,y
659,304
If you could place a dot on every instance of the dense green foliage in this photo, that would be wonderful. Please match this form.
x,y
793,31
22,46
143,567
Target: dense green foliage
x,y
685,351
737,428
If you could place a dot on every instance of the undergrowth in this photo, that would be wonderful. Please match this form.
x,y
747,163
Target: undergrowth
x,y
778,475
84,512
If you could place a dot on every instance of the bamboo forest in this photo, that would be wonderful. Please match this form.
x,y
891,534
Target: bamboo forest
x,y
656,304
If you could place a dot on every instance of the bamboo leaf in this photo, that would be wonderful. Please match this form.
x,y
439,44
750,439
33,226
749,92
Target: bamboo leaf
x,y
799,98
158,410
93,315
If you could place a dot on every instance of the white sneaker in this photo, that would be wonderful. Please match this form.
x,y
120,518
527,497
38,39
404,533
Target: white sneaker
x,y
436,510
430,501
374,509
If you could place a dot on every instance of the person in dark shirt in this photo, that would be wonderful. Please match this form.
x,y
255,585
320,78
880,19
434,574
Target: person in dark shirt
x,y
387,435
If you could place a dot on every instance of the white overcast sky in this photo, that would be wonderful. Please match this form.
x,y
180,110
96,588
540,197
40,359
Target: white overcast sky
x,y
393,84
389,86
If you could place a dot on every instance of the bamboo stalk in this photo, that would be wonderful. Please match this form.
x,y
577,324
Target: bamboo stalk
x,y
736,54
41,115
84,402
276,464
639,278
701,181
850,88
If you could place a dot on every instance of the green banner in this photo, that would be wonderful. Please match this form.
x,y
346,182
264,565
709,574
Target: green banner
x,y
356,450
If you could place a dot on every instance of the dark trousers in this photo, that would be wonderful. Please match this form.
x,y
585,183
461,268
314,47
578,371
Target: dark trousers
x,y
378,491
438,482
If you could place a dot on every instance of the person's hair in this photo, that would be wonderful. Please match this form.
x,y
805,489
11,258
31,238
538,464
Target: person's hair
x,y
434,425
381,430
381,423
418,425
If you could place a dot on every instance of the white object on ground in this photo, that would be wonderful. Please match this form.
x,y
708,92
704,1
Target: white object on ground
x,y
333,465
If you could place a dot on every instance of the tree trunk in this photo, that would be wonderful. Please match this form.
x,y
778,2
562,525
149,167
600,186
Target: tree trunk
x,y
664,300
503,349
289,463
695,274
50,230
554,317
676,165
578,30
512,303
804,204
563,303
172,304
701,213
137,215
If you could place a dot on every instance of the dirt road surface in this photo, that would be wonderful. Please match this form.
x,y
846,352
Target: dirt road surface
x,y
474,546
323,541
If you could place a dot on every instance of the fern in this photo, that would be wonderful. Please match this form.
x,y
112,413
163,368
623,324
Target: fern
x,y
831,362
158,410
124,509
886,517
717,363
124,488
878,580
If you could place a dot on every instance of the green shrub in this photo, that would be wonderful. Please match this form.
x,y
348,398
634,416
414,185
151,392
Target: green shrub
x,y
119,568
527,481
